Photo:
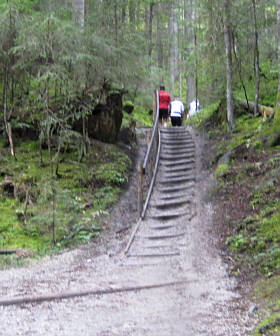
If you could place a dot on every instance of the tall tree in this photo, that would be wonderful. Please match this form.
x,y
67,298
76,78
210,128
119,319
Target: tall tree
x,y
228,46
131,10
79,11
189,49
277,105
256,59
174,52
159,37
150,31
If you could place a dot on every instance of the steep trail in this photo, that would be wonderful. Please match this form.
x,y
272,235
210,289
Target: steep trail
x,y
170,208
183,285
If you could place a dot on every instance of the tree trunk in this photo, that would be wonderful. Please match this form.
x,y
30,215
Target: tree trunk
x,y
239,68
124,6
196,70
150,32
266,111
5,113
189,39
174,52
79,12
116,24
277,105
227,35
256,59
78,7
131,10
159,32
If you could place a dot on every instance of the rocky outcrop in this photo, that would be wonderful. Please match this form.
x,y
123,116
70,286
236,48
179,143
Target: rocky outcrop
x,y
105,121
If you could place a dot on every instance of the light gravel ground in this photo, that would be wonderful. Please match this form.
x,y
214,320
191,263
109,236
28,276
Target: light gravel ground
x,y
205,302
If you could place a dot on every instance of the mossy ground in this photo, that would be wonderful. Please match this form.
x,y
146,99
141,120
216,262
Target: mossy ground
x,y
247,194
46,212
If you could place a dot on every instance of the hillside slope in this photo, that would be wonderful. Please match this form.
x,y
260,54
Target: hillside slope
x,y
246,194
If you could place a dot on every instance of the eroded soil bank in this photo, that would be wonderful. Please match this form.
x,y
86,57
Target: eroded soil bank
x,y
204,300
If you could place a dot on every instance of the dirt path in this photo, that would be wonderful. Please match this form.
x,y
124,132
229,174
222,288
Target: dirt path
x,y
197,296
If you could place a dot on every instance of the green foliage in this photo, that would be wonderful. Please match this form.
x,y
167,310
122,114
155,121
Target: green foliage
x,y
113,173
267,293
70,208
268,86
246,131
238,243
221,171
23,6
105,197
142,116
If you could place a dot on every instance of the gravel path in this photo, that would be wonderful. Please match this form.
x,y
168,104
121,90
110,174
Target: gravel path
x,y
203,300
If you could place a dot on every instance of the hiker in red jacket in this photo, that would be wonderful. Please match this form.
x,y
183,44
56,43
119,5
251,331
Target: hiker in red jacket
x,y
164,100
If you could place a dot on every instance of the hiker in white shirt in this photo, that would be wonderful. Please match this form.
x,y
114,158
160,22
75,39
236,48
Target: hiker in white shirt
x,y
194,108
176,109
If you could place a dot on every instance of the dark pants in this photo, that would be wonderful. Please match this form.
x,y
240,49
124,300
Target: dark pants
x,y
163,114
176,121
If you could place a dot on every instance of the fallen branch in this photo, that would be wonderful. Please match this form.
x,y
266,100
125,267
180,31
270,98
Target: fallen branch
x,y
266,111
40,299
4,252
19,252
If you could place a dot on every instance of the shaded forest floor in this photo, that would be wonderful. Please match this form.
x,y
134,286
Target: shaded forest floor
x,y
43,213
246,198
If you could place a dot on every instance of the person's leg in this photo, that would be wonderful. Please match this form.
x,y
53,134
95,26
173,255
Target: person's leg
x,y
160,117
165,118
179,121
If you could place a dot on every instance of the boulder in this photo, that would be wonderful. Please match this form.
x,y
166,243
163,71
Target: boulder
x,y
105,121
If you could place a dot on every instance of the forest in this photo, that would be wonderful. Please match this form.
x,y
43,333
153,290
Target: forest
x,y
70,70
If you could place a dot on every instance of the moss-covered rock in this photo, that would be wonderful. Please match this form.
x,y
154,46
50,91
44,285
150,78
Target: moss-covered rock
x,y
221,171
105,121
